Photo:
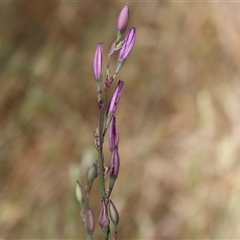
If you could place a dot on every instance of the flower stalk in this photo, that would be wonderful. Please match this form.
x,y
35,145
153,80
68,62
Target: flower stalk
x,y
107,121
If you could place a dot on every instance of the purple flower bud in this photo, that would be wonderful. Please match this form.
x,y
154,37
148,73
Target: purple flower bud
x,y
126,49
97,64
103,217
112,107
123,19
128,44
113,135
114,164
90,224
114,216
114,170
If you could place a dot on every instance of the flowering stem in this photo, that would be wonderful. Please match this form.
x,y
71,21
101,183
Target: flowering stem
x,y
106,119
100,150
100,153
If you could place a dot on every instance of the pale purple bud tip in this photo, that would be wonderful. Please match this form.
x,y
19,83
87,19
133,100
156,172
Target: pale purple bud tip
x,y
103,217
123,19
114,164
90,225
128,45
113,135
114,216
112,107
97,63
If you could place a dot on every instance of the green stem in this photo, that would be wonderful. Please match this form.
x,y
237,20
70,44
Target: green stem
x,y
107,234
100,154
89,236
100,151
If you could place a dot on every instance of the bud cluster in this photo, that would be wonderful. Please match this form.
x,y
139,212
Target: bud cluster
x,y
107,122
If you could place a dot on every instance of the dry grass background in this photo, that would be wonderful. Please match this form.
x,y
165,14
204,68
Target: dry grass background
x,y
179,118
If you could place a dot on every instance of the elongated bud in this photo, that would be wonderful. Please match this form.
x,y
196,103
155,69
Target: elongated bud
x,y
97,65
126,49
128,45
114,169
90,224
103,217
114,216
92,173
123,21
114,164
79,194
113,135
112,107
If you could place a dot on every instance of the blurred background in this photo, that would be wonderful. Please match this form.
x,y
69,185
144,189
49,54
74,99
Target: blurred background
x,y
179,118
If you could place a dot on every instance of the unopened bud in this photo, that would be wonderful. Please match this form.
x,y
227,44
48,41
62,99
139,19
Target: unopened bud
x,y
123,21
90,224
113,135
126,49
97,63
114,164
97,66
79,194
112,107
114,216
114,169
103,217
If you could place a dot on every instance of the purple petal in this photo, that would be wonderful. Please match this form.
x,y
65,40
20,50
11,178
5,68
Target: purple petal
x,y
112,107
114,164
97,64
123,19
128,45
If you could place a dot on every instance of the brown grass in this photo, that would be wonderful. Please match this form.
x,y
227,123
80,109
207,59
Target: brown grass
x,y
179,119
